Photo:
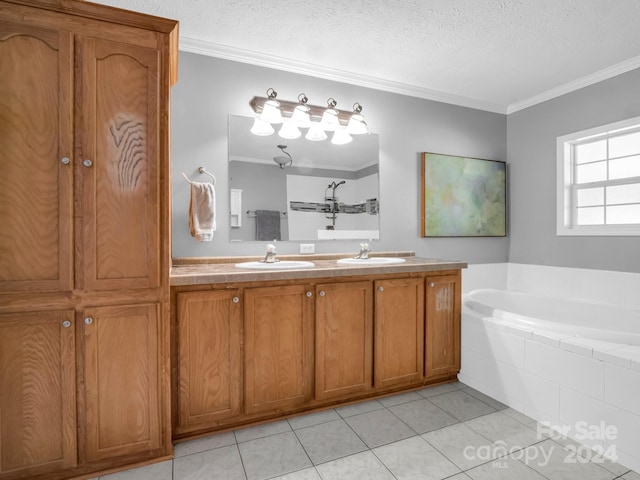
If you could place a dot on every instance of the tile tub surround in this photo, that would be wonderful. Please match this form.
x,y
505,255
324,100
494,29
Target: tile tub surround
x,y
370,440
557,378
573,383
193,271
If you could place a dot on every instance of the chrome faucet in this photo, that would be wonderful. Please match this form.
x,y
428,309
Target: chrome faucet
x,y
270,257
364,251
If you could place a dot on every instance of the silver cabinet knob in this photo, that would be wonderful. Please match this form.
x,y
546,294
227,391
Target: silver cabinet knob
x,y
66,324
432,284
65,160
381,289
322,293
87,163
309,294
236,299
88,321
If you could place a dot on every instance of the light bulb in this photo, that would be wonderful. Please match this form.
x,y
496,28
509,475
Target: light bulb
x,y
301,117
261,128
341,137
271,112
289,131
315,133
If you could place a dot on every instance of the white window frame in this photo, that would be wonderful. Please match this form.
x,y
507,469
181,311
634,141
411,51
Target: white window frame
x,y
564,182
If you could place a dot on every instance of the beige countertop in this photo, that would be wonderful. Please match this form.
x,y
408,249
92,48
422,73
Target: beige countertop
x,y
206,270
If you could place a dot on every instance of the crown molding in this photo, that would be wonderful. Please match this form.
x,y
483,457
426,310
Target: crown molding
x,y
599,76
279,63
201,47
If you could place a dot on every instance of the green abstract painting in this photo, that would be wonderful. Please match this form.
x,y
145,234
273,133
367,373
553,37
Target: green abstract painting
x,y
463,197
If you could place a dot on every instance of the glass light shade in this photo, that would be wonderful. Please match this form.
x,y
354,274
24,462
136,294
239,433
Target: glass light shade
x,y
271,112
330,120
261,128
357,125
315,133
289,131
341,137
301,117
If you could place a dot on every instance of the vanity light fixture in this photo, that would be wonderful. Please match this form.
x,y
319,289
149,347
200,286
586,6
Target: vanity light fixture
x,y
341,136
329,121
289,130
271,108
357,125
296,115
261,128
301,116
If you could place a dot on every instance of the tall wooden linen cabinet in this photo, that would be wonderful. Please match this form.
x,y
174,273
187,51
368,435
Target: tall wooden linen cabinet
x,y
84,237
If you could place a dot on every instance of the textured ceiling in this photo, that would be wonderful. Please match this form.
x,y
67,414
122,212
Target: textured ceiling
x,y
497,55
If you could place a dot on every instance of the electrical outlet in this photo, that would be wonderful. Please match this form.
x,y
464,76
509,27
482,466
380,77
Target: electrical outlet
x,y
307,248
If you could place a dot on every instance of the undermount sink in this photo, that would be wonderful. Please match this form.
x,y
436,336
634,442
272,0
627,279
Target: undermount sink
x,y
371,261
280,265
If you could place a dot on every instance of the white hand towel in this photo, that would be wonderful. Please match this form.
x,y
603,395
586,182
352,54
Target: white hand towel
x,y
202,211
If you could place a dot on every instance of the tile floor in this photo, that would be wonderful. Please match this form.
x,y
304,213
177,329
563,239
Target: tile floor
x,y
449,431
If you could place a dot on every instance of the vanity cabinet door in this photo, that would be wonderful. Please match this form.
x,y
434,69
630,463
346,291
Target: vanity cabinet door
x,y
344,338
121,380
37,393
209,358
442,349
278,333
398,331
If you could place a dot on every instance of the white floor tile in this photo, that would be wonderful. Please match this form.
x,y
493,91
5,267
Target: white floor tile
x,y
222,462
362,466
414,458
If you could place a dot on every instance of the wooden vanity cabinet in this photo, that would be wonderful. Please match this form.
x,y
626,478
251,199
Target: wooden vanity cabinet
x,y
442,339
399,331
209,329
344,339
278,348
84,209
244,352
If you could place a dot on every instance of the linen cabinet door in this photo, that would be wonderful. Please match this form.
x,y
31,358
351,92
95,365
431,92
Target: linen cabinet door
x,y
399,331
278,332
36,152
442,350
118,166
209,358
37,393
121,381
344,338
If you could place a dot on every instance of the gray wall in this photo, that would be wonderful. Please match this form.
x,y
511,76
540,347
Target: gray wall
x,y
210,89
532,157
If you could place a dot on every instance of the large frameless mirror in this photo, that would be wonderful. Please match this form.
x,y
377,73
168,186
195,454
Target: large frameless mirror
x,y
299,190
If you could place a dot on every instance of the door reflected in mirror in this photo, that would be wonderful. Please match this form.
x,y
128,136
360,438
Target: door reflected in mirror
x,y
299,190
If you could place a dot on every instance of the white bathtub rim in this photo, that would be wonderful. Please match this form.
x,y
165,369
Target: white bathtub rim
x,y
619,354
631,315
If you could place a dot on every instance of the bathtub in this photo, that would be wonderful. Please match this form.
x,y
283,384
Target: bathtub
x,y
579,318
561,361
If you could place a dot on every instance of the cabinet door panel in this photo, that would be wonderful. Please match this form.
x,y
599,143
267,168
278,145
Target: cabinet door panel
x,y
278,347
118,117
35,133
209,358
344,337
121,370
442,349
399,331
37,392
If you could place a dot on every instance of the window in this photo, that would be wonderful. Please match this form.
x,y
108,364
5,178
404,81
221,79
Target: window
x,y
599,180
